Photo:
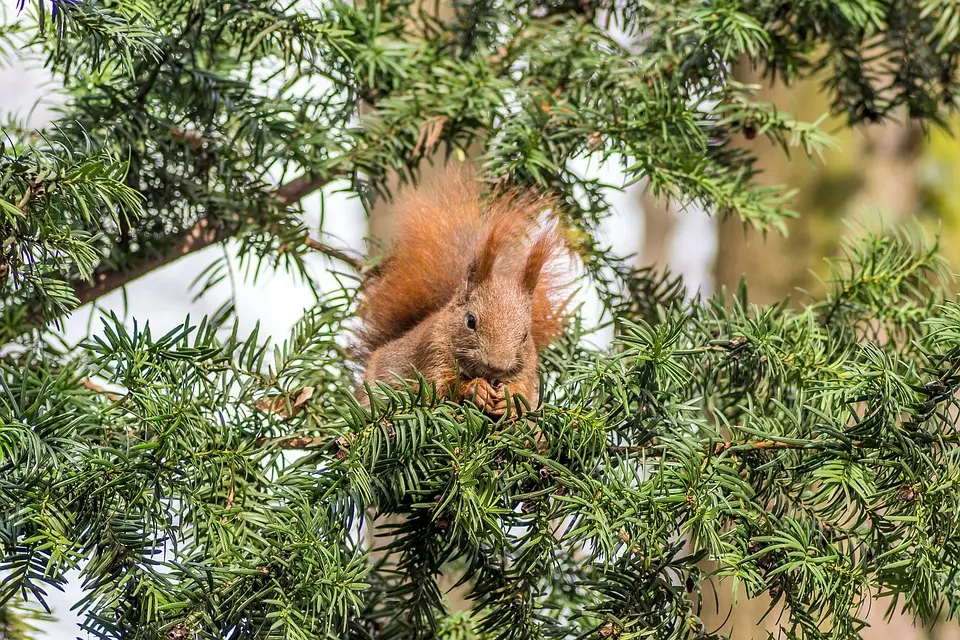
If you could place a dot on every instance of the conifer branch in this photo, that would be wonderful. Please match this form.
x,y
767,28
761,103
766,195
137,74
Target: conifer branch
x,y
293,443
337,254
200,236
93,386
165,56
301,187
311,442
830,470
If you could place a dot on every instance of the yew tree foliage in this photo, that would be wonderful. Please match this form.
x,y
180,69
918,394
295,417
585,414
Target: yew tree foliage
x,y
204,484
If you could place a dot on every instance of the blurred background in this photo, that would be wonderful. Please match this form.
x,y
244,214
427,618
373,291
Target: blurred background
x,y
879,175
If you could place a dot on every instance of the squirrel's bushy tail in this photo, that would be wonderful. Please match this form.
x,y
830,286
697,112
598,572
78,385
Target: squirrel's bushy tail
x,y
440,227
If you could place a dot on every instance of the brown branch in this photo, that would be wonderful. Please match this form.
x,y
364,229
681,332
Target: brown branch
x,y
739,447
619,450
93,386
198,237
201,236
761,445
355,263
299,188
306,442
294,442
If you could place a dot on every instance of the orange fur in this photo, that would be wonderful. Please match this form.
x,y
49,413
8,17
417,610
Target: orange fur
x,y
441,229
550,290
498,232
467,297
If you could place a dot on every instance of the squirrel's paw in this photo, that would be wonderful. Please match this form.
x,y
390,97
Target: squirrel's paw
x,y
490,398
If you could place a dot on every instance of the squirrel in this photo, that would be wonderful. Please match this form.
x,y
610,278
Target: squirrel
x,y
468,296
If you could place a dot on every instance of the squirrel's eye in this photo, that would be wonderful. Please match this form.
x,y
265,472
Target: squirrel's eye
x,y
471,322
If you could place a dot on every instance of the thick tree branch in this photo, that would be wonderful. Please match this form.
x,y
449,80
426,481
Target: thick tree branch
x,y
202,235
299,188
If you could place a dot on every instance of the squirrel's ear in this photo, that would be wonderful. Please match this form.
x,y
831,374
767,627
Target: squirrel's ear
x,y
472,279
538,256
482,266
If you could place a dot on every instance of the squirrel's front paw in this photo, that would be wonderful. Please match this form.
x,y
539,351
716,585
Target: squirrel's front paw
x,y
489,397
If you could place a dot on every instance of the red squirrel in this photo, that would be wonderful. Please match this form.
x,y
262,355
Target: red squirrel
x,y
468,295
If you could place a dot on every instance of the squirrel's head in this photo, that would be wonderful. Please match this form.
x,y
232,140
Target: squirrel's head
x,y
495,310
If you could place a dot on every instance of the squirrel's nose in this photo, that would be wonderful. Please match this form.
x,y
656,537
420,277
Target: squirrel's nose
x,y
498,370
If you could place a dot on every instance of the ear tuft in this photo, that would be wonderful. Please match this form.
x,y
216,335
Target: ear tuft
x,y
541,251
502,231
472,273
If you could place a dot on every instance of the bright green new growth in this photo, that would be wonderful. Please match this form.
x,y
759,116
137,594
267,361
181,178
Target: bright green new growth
x,y
223,489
